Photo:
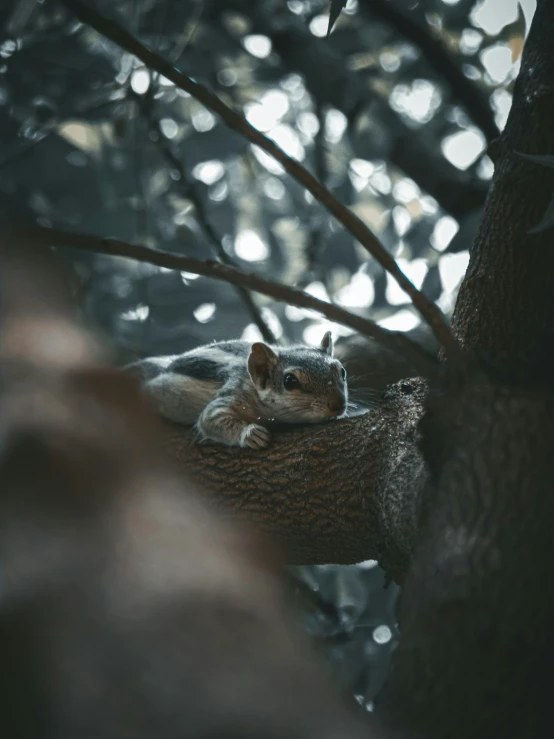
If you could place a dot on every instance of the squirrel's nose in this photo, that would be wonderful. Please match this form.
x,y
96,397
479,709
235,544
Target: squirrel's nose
x,y
336,404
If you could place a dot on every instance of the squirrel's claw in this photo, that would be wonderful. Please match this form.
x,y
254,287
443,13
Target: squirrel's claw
x,y
255,437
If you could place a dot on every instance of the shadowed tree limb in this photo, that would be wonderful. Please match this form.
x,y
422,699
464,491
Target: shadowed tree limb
x,y
335,492
428,310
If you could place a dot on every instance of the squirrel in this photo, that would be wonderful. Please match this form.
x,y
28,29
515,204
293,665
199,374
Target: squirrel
x,y
232,390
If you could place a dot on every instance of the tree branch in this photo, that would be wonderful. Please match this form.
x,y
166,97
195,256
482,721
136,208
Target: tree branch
x,y
290,490
427,309
395,340
338,493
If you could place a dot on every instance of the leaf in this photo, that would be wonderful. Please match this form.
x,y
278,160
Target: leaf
x,y
545,159
547,221
513,34
334,12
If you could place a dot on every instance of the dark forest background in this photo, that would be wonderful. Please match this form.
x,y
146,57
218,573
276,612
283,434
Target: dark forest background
x,y
396,112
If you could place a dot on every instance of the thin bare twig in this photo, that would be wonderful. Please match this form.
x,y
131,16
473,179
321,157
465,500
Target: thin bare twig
x,y
314,269
173,160
188,34
427,309
394,340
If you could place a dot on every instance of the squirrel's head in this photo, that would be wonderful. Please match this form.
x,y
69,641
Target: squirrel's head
x,y
299,384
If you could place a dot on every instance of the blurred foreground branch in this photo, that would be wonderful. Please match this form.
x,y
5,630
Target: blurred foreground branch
x,y
126,609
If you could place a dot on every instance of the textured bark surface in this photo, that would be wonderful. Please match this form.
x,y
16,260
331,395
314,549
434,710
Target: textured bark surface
x,y
506,301
175,599
477,607
332,493
478,603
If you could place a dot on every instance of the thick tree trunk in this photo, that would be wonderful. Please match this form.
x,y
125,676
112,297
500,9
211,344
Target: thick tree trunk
x,y
477,607
506,301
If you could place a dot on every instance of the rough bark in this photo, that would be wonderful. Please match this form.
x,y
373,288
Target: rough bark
x,y
341,492
506,301
476,610
477,606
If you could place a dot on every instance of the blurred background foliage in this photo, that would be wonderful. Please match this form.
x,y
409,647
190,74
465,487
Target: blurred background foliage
x,y
394,112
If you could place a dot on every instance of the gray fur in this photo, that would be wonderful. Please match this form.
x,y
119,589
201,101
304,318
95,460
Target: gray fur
x,y
236,347
212,387
147,369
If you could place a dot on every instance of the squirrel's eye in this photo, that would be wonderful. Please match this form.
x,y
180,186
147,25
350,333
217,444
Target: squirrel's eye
x,y
291,382
343,373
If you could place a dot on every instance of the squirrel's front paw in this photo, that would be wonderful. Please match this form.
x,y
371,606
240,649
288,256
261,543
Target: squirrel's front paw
x,y
255,437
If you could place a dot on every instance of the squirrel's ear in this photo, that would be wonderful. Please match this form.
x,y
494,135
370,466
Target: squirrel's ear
x,y
261,361
327,343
